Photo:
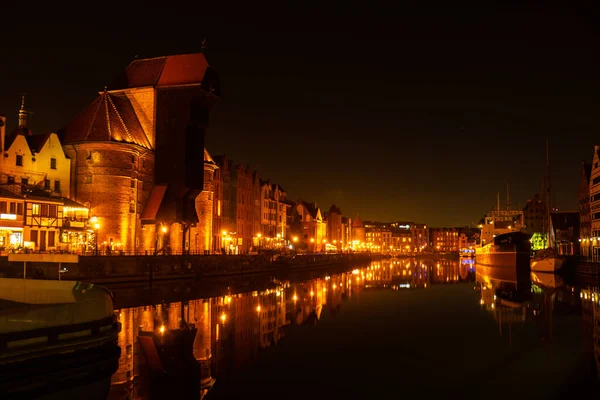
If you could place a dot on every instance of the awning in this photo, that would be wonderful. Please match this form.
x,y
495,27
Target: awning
x,y
153,203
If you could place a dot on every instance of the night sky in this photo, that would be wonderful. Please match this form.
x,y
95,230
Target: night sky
x,y
394,114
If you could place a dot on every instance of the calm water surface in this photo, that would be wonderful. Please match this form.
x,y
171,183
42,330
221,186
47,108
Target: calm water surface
x,y
433,328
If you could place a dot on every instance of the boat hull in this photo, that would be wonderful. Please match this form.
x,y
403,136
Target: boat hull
x,y
502,256
508,250
549,264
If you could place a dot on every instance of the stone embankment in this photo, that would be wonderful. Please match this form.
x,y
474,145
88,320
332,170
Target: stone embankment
x,y
105,269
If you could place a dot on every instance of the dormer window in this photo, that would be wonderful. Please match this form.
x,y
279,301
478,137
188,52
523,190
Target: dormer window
x,y
19,160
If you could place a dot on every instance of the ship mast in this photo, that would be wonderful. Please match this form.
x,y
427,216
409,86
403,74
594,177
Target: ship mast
x,y
548,209
498,200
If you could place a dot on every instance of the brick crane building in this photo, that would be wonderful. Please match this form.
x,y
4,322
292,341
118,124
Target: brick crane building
x,y
138,158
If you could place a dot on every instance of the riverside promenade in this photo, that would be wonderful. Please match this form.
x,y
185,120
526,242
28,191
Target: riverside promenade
x,y
125,268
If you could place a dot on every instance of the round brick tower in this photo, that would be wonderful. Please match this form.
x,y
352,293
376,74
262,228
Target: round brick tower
x,y
112,168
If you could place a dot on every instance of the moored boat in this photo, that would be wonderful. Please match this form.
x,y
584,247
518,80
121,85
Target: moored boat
x,y
58,339
547,260
509,249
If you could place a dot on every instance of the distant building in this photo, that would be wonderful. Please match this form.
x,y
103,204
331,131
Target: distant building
x,y
535,215
585,217
444,240
334,226
595,205
566,232
274,210
358,232
312,229
420,237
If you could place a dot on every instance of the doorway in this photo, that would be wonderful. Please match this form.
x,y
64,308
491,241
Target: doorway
x,y
42,240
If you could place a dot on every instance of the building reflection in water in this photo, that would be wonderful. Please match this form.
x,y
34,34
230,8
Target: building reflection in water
x,y
231,330
514,296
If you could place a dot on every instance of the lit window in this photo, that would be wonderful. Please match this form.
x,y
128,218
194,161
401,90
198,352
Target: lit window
x,y
35,209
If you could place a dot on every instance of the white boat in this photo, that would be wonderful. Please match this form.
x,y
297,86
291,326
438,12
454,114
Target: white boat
x,y
547,260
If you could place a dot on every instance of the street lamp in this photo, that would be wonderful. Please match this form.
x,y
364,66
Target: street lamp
x,y
97,227
259,236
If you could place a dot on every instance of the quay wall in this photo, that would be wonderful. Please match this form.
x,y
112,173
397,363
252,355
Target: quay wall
x,y
105,269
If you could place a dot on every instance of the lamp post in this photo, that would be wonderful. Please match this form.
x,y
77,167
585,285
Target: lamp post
x,y
163,229
312,243
295,240
97,227
259,236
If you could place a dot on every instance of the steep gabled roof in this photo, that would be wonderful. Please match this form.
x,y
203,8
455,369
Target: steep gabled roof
x,y
181,69
36,142
312,208
357,223
108,118
335,209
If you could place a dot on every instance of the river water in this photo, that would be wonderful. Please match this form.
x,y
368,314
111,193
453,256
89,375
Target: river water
x,y
429,328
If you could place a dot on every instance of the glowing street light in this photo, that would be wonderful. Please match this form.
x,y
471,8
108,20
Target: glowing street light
x,y
97,227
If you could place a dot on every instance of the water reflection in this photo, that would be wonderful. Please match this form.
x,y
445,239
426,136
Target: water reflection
x,y
518,299
181,345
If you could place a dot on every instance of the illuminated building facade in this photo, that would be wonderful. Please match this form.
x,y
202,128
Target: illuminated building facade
x,y
310,227
274,211
444,240
420,235
378,239
137,155
402,239
585,216
35,211
595,205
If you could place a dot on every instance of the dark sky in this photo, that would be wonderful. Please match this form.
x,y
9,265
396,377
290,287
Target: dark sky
x,y
419,114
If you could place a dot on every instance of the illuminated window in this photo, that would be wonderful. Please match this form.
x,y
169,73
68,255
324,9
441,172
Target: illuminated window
x,y
53,163
35,209
19,160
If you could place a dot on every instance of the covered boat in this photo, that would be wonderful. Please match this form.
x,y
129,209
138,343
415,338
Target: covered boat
x,y
58,339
